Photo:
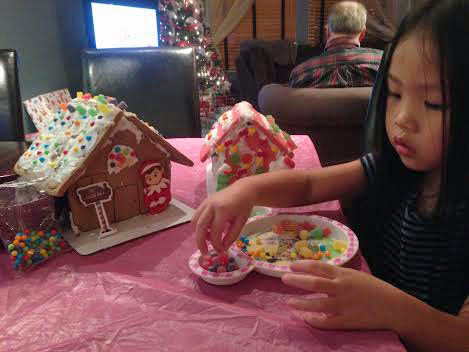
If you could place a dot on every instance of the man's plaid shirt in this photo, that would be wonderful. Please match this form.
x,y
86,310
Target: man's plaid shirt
x,y
343,64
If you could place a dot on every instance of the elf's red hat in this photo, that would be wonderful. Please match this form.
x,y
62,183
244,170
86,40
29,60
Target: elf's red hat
x,y
147,165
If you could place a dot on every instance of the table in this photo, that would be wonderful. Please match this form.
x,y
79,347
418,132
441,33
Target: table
x,y
141,296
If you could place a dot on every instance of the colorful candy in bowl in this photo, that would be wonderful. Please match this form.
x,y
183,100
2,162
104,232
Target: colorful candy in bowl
x,y
221,269
273,242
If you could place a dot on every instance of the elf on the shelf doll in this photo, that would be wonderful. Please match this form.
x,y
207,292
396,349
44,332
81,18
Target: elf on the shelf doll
x,y
156,188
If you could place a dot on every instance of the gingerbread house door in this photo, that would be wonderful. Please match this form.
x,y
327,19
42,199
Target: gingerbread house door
x,y
126,202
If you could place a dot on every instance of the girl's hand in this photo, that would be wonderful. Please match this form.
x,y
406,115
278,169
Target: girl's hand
x,y
227,210
355,300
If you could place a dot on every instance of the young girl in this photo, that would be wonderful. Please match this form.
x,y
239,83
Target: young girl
x,y
416,184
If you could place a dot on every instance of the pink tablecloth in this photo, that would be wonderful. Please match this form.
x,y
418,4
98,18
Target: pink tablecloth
x,y
141,296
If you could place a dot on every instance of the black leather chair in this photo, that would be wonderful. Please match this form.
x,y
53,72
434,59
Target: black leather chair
x,y
11,113
158,84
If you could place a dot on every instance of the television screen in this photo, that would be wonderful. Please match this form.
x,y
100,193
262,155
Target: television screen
x,y
117,26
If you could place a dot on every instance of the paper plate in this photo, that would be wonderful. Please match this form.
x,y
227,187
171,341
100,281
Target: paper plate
x,y
264,223
246,265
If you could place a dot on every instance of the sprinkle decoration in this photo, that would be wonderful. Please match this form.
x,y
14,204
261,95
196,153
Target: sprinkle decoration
x,y
121,157
72,133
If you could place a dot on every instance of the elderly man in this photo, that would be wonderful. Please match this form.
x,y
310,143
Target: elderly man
x,y
344,63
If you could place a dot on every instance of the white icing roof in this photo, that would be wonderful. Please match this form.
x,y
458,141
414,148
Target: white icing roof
x,y
66,142
75,131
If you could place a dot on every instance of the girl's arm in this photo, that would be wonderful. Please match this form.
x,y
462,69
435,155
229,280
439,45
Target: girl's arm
x,y
360,301
423,328
289,188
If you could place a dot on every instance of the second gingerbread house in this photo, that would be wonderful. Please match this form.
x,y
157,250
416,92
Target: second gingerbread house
x,y
244,142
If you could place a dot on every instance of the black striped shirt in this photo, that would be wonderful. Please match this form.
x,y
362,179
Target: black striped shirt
x,y
415,255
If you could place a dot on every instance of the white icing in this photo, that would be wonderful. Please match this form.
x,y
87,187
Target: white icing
x,y
74,227
278,164
125,125
67,140
218,160
107,144
160,147
246,110
265,121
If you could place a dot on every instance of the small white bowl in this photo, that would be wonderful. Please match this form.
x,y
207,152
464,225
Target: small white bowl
x,y
245,264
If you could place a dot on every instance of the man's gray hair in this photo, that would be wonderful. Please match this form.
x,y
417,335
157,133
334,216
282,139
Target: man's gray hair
x,y
347,17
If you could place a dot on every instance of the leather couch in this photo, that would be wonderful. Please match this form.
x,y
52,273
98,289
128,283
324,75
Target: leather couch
x,y
334,118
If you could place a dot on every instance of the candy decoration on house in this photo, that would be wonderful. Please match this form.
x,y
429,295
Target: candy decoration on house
x,y
77,149
244,142
182,24
157,194
120,157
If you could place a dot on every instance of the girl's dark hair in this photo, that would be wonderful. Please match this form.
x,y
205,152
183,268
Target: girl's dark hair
x,y
445,26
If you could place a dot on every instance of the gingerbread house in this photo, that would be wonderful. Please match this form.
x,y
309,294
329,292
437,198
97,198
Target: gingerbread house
x,y
244,142
111,165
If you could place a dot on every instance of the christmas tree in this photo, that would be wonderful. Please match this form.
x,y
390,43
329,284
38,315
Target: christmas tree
x,y
182,24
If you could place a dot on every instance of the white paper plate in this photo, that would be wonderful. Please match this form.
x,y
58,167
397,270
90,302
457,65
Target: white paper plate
x,y
264,223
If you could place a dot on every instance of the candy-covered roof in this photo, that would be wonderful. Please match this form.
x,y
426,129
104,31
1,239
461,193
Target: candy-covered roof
x,y
243,115
57,157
